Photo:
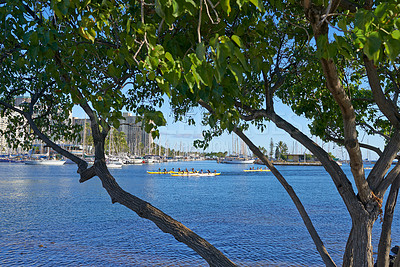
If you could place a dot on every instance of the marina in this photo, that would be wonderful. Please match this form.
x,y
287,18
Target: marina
x,y
49,218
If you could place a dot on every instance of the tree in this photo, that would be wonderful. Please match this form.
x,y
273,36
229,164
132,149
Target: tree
x,y
281,150
271,149
234,60
68,53
232,73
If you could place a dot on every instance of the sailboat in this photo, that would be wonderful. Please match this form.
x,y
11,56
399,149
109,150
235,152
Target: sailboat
x,y
235,158
112,162
44,161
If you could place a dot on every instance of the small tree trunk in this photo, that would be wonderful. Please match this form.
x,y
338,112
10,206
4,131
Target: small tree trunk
x,y
361,242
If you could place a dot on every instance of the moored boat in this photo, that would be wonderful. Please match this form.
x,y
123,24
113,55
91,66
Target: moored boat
x,y
237,160
114,164
48,162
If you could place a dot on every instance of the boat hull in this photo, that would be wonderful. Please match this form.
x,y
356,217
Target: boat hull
x,y
196,174
45,162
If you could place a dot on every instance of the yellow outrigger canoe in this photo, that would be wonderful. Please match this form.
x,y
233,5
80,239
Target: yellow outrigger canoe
x,y
204,174
258,170
162,172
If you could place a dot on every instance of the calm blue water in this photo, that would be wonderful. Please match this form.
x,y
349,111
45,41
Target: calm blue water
x,y
47,218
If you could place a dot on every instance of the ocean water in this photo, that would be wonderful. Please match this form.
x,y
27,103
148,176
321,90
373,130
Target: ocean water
x,y
47,218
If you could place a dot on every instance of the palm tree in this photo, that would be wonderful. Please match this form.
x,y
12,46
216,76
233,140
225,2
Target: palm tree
x,y
281,150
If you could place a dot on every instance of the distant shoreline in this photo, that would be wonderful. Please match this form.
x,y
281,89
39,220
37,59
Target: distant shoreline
x,y
315,163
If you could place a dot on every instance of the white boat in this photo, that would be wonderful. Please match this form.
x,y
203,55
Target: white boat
x,y
134,160
48,162
237,160
114,164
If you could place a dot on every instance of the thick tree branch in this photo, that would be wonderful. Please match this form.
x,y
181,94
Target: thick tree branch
x,y
349,125
343,185
166,223
81,163
385,239
384,162
388,108
87,174
384,185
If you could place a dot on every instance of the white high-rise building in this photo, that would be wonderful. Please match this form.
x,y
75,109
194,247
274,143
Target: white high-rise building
x,y
3,144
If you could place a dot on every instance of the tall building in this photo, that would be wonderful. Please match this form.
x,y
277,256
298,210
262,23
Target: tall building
x,y
4,147
138,140
3,144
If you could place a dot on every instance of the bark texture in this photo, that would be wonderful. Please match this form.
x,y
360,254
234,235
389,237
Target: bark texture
x,y
385,239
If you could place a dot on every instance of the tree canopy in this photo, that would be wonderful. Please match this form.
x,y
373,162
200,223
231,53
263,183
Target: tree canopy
x,y
333,62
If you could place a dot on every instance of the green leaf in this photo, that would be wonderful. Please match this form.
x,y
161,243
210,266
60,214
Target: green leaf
x,y
176,9
237,40
152,75
169,57
201,51
396,34
158,7
237,72
226,6
258,4
372,44
342,23
392,48
190,80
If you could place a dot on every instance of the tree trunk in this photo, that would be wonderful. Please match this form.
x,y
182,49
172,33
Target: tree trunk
x,y
359,248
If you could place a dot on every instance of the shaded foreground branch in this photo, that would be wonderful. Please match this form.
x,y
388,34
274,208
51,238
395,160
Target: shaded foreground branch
x,y
166,223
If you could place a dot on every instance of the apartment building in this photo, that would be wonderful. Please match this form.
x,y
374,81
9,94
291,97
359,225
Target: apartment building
x,y
138,140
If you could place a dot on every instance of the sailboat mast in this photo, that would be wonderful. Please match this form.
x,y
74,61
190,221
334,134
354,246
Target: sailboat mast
x,y
84,138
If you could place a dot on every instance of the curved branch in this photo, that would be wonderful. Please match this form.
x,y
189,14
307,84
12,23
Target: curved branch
x,y
385,239
372,129
387,107
343,185
349,125
166,223
362,145
300,208
82,165
384,185
376,176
